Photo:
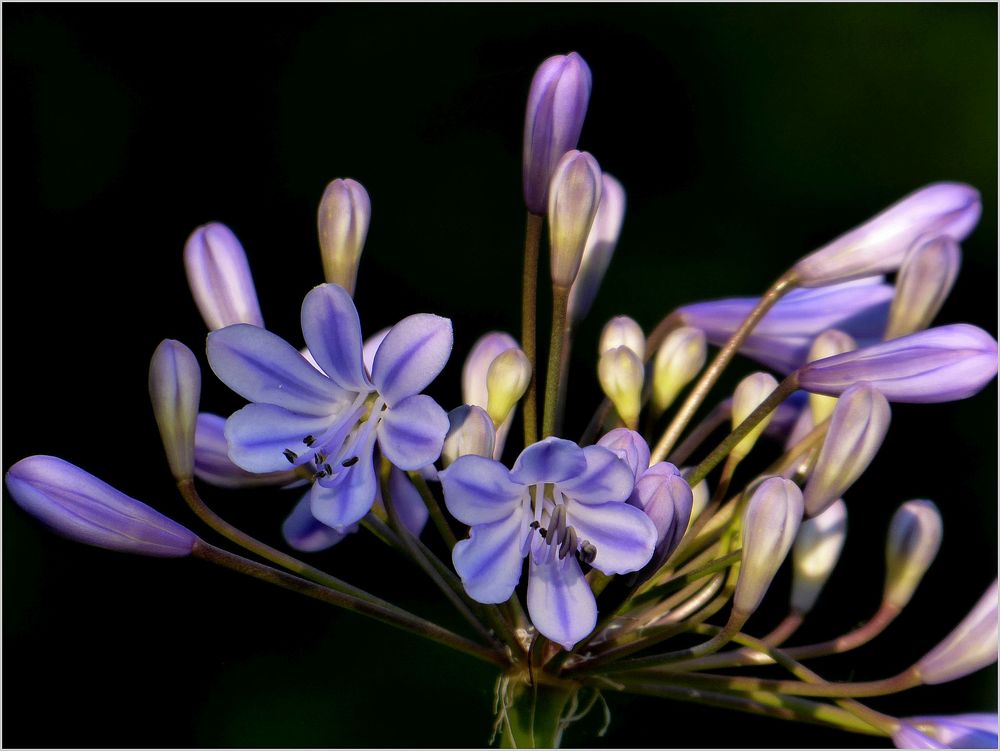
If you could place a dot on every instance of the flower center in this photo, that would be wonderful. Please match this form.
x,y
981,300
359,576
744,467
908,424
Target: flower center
x,y
558,537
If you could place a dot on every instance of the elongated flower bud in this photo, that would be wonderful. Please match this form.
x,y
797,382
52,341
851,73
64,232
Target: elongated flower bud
x,y
470,431
937,365
749,394
857,428
475,373
77,505
879,245
630,447
622,331
219,277
829,343
213,465
506,381
557,105
678,360
817,549
913,542
699,496
600,248
948,731
574,195
971,646
344,214
621,375
175,390
769,528
666,498
926,277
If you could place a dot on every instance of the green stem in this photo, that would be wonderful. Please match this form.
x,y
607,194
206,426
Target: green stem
x,y
567,343
434,509
717,417
560,300
529,308
681,580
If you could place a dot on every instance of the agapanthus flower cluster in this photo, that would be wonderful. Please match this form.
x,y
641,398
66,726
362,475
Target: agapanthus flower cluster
x,y
575,561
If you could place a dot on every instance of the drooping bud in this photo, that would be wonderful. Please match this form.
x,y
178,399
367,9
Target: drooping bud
x,y
937,365
666,498
926,277
471,431
948,731
175,390
769,528
600,248
817,549
749,394
83,508
879,245
621,374
219,277
630,447
678,360
971,646
506,381
622,331
913,542
213,465
344,214
557,105
829,343
857,427
574,195
475,372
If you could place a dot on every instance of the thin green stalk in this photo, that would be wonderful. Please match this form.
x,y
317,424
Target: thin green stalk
x,y
719,415
529,312
567,345
560,301
681,580
434,508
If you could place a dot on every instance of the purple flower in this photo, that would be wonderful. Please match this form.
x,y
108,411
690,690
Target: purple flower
x,y
219,276
781,340
559,503
81,507
948,731
333,417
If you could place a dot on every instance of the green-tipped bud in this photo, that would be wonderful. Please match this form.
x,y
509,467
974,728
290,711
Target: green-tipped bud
x,y
857,427
817,549
769,528
621,375
470,432
344,213
506,381
750,392
913,542
829,343
574,194
926,277
622,331
678,360
175,390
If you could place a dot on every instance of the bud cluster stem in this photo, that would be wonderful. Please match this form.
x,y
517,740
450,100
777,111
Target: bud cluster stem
x,y
560,302
529,307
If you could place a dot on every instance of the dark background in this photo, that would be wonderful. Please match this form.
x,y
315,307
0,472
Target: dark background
x,y
745,136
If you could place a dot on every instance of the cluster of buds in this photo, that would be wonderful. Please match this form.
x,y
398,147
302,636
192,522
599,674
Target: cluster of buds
x,y
629,543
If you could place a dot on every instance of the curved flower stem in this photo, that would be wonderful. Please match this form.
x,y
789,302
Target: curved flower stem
x,y
784,630
560,301
719,415
386,613
681,580
529,306
711,374
594,426
434,509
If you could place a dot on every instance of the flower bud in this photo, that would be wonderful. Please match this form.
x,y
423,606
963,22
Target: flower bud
x,y
557,105
621,375
948,731
769,527
971,646
879,245
630,447
219,277
699,496
831,342
913,542
213,465
77,505
303,531
475,372
678,360
926,277
937,365
574,195
506,381
344,213
470,431
666,498
817,549
600,247
622,331
749,394
857,427
175,389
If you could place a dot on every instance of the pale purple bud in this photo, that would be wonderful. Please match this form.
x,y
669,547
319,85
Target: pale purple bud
x,y
816,551
557,105
344,214
600,248
213,465
926,277
857,428
219,277
470,431
749,394
937,365
175,390
912,544
475,373
622,331
666,498
621,375
630,447
506,381
978,730
879,245
574,195
971,646
77,505
829,343
679,359
769,527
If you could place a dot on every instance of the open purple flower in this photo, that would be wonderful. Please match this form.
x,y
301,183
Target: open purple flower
x,y
562,504
332,417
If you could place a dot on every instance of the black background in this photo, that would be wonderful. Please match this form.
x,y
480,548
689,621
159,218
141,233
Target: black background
x,y
744,135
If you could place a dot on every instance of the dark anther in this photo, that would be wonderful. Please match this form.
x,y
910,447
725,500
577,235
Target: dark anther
x,y
319,475
535,524
328,469
320,458
543,531
350,462
309,440
290,455
588,551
